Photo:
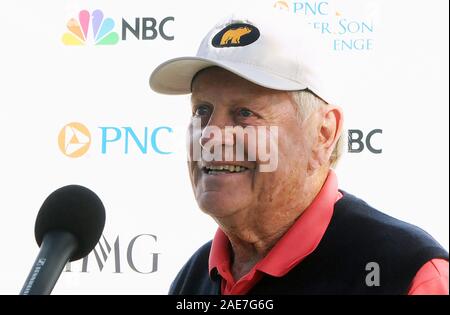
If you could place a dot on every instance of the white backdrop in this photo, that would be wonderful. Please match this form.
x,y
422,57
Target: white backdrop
x,y
398,84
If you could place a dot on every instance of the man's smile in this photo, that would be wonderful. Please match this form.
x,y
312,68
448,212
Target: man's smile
x,y
224,168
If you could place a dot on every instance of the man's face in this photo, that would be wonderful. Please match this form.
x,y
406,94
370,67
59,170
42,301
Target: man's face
x,y
220,98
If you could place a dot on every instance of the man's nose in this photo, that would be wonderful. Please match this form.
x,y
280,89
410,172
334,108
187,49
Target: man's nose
x,y
216,136
214,132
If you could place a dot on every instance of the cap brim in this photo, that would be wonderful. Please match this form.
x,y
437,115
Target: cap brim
x,y
175,76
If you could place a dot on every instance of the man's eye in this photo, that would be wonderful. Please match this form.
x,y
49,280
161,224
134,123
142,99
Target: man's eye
x,y
202,110
245,112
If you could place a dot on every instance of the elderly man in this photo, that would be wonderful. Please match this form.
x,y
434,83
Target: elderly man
x,y
288,230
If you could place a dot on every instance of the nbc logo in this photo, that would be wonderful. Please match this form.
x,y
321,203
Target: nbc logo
x,y
101,29
74,140
93,28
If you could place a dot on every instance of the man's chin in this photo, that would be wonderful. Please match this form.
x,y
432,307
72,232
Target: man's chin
x,y
218,206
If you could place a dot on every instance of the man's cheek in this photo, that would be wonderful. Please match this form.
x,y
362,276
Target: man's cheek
x,y
193,136
268,149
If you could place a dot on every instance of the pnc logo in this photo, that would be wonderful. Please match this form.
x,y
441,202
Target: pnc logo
x,y
74,140
101,29
283,5
236,35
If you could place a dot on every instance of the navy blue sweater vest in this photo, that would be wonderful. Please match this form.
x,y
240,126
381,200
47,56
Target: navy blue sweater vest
x,y
356,236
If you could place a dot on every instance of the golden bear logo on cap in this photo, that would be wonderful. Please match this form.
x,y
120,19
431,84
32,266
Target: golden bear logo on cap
x,y
236,35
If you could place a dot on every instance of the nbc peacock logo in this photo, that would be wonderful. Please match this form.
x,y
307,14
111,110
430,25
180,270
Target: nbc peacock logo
x,y
90,28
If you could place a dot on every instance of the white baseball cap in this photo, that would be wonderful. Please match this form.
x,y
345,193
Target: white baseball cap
x,y
270,49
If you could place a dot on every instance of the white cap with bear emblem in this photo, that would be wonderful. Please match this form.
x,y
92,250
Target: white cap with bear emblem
x,y
272,50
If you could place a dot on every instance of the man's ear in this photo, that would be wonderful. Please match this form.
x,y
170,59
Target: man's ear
x,y
329,128
330,131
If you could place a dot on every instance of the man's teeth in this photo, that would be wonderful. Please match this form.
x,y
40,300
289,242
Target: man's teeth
x,y
225,169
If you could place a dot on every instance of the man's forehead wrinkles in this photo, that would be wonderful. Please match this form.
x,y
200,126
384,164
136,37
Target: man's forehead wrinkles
x,y
215,86
222,96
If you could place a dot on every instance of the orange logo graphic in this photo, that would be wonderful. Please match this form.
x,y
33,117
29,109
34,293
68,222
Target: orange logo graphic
x,y
281,5
234,35
74,140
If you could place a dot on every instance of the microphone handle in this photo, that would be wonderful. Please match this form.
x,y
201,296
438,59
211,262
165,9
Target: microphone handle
x,y
56,249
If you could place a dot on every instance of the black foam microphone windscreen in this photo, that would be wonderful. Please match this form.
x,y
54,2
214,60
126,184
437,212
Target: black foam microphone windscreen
x,y
74,209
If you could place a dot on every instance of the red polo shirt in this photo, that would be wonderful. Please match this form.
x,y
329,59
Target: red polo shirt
x,y
310,227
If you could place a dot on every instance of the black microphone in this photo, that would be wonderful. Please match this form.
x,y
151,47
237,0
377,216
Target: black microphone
x,y
68,226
